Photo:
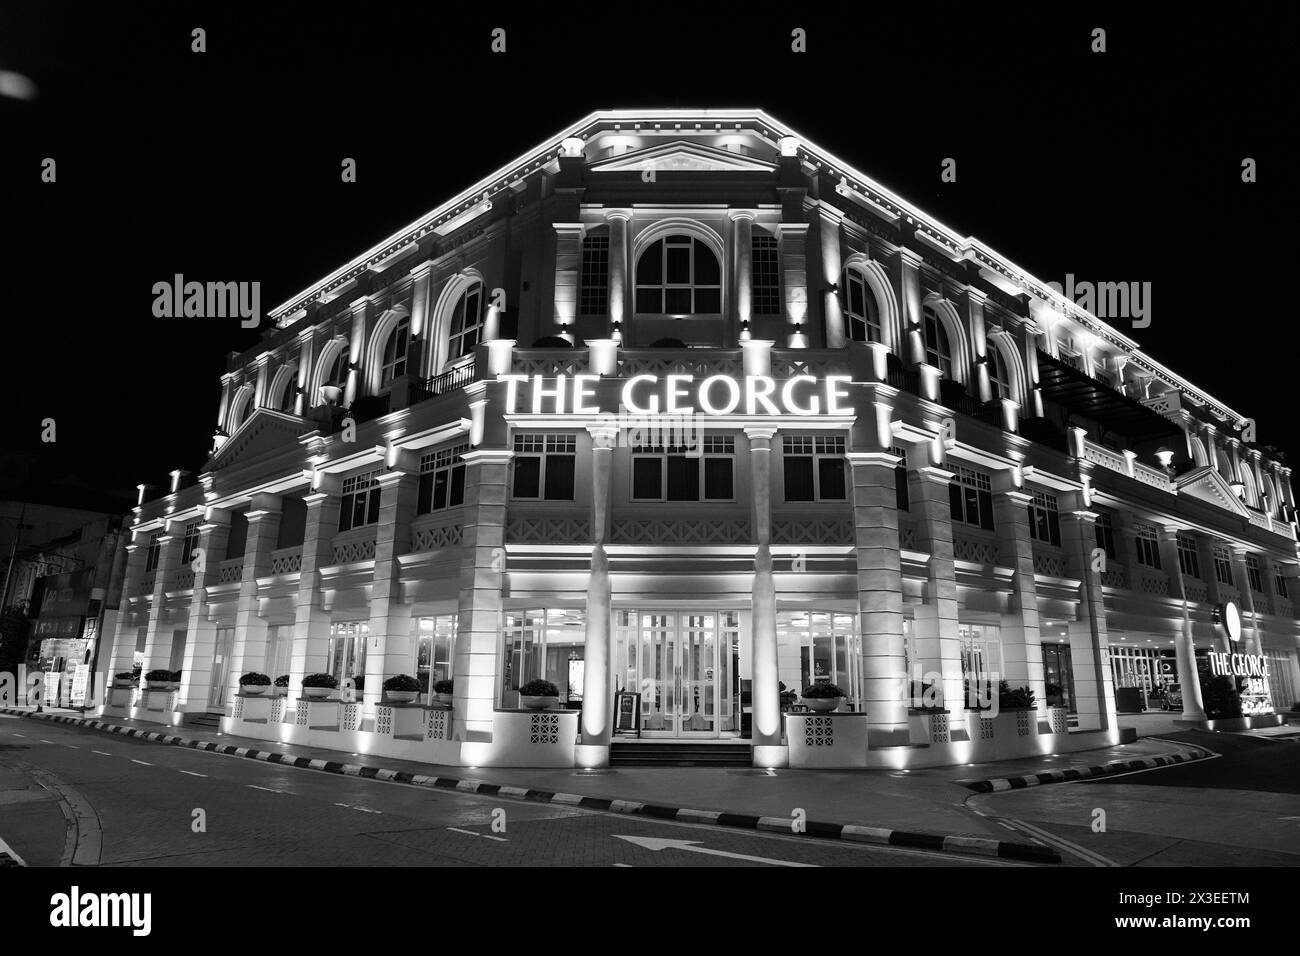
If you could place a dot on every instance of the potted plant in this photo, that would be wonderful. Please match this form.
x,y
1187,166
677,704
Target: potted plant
x,y
442,692
282,685
823,697
402,688
254,683
1017,698
176,680
158,679
124,679
539,694
318,686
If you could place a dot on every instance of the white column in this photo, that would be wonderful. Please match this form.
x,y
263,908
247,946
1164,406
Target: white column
x,y
597,725
620,304
742,235
766,682
568,260
391,652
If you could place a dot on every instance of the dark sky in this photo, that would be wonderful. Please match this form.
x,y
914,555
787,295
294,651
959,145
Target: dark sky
x,y
1123,166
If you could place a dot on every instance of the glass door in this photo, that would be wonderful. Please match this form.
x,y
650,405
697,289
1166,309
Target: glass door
x,y
220,669
684,666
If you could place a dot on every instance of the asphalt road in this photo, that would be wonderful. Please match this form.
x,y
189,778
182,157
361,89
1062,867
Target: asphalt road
x,y
135,803
1240,808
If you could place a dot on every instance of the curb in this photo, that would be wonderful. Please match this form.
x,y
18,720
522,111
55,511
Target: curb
x,y
1001,784
980,846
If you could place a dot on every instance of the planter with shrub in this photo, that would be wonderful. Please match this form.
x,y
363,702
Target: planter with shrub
x,y
442,692
318,686
402,688
254,683
281,685
158,679
823,697
124,679
539,694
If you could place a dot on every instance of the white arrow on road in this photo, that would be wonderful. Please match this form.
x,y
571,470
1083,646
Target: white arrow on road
x,y
693,846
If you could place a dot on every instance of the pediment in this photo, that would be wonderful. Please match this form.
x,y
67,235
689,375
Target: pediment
x,y
1208,485
681,156
264,432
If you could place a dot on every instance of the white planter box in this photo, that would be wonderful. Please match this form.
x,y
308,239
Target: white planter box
x,y
827,740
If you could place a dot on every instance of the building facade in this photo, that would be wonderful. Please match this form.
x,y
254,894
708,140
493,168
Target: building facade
x,y
681,405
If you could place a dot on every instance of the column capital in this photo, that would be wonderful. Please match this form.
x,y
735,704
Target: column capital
x,y
935,474
622,214
1086,517
760,432
873,458
1018,495
487,456
569,228
316,498
603,436
738,214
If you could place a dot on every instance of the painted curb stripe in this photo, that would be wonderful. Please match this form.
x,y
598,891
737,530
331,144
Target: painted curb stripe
x,y
1000,784
839,831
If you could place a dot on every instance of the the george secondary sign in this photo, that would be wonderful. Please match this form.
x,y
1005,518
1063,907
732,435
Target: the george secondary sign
x,y
801,395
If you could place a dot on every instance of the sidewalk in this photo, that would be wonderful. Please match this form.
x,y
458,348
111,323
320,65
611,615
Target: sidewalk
x,y
929,801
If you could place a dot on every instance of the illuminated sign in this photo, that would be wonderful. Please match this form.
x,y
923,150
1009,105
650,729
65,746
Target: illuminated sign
x,y
802,395
1223,664
1229,618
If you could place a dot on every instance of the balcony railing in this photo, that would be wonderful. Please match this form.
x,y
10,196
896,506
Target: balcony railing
x,y
441,384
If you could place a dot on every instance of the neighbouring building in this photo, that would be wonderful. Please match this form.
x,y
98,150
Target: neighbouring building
x,y
678,404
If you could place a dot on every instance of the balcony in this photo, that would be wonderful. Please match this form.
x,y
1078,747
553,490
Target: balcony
x,y
1118,462
442,384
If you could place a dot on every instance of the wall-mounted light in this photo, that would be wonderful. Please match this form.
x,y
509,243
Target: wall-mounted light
x,y
1165,457
1238,489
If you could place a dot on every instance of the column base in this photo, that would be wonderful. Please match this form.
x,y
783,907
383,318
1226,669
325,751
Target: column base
x,y
591,756
771,756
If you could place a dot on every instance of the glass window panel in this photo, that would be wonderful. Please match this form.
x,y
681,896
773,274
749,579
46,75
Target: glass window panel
x,y
799,479
831,476
559,477
647,478
717,479
528,477
706,265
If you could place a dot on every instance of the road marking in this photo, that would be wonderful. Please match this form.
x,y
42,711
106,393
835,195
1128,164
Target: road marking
x,y
20,735
44,741
101,753
7,851
486,836
626,865
1007,825
353,807
193,774
133,760
1096,859
693,846
72,746
253,786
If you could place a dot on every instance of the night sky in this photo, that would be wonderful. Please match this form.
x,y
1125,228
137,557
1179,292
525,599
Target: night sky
x,y
1123,166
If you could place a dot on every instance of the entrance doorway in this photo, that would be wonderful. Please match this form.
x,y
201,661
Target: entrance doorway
x,y
220,669
684,664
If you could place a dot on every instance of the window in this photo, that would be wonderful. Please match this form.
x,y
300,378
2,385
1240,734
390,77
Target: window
x,y
1044,519
279,649
1105,531
861,314
543,643
394,363
442,480
435,646
1147,545
1279,581
466,323
346,652
190,543
981,661
937,350
901,498
816,647
765,276
1188,561
673,473
1223,567
1067,353
338,369
678,276
154,554
287,395
360,501
543,467
970,498
999,380
1254,576
593,295
814,468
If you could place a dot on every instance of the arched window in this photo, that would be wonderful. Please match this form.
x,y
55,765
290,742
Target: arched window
x,y
937,350
861,314
678,275
394,361
466,323
999,379
284,402
338,373
1248,479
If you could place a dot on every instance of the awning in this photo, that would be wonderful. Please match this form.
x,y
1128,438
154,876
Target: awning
x,y
1081,393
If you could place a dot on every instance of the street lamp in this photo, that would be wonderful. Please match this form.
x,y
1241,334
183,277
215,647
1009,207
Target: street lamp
x,y
1166,459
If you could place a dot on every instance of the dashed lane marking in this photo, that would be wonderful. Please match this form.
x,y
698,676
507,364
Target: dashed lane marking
x,y
102,753
193,774
141,762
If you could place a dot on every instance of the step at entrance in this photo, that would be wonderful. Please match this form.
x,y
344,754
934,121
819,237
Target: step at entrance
x,y
641,753
208,721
